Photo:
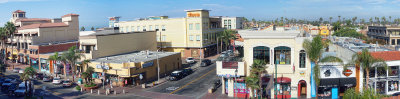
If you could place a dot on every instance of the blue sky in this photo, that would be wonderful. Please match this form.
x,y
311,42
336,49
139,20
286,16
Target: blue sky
x,y
95,12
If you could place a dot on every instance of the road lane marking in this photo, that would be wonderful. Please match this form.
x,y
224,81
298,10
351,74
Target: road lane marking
x,y
191,82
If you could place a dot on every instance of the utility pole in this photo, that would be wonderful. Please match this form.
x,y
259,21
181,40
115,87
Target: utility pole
x,y
276,79
158,68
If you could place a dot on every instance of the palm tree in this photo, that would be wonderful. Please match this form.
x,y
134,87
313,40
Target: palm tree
x,y
226,36
384,20
354,19
56,57
3,38
72,56
330,20
321,19
82,28
257,69
314,50
10,29
390,19
339,18
366,61
28,73
371,21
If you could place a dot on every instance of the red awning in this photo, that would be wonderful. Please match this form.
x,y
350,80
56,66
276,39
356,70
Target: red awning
x,y
283,80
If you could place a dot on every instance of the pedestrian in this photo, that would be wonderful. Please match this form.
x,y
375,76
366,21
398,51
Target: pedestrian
x,y
126,82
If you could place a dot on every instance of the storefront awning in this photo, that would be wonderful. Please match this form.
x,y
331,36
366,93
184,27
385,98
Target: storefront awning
x,y
283,80
348,82
330,82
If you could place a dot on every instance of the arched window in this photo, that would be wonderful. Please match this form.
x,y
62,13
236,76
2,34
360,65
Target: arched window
x,y
261,53
282,55
302,60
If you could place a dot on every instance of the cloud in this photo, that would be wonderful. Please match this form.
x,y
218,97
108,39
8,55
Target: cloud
x,y
5,1
375,1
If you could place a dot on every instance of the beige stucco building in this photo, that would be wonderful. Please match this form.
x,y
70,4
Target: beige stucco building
x,y
194,35
36,36
235,23
281,48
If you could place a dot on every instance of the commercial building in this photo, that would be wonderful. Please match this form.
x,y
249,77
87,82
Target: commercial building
x,y
235,23
36,36
280,48
388,33
125,56
386,81
194,35
134,65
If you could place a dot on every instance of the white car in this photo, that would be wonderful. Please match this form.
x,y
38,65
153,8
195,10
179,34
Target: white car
x,y
67,83
16,70
57,80
21,71
190,60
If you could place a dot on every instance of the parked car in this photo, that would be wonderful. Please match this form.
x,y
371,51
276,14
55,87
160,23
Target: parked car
x,y
67,83
190,60
16,70
47,79
21,71
2,80
205,62
12,89
21,89
7,82
39,76
217,83
187,71
176,75
223,55
57,80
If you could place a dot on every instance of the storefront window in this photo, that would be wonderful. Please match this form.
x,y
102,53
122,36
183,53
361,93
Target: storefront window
x,y
393,71
381,72
393,86
283,89
302,59
261,53
380,87
371,73
282,55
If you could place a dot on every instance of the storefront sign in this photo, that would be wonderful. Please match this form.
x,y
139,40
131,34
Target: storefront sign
x,y
336,72
193,14
147,64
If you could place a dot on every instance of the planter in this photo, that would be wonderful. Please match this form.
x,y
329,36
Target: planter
x,y
88,88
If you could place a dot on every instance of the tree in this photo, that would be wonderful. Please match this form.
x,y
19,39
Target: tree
x,y
71,56
390,19
3,37
336,26
314,50
330,20
366,61
321,19
56,57
92,28
10,29
367,93
347,32
354,19
226,36
339,18
371,21
82,28
28,73
257,69
384,20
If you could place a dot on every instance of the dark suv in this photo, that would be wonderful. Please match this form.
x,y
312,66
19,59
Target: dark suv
x,y
187,71
205,62
176,75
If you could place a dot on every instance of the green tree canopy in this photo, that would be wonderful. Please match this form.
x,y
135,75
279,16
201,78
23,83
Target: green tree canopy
x,y
347,32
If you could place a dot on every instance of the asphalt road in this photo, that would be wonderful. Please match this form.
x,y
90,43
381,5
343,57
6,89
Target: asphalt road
x,y
111,97
194,85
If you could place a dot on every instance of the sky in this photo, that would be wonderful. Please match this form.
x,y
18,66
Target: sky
x,y
96,12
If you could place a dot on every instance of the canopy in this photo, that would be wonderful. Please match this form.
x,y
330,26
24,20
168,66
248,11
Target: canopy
x,y
283,80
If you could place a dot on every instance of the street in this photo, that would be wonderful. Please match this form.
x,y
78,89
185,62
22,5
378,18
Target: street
x,y
195,85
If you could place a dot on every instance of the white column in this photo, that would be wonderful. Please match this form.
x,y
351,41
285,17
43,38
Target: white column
x,y
230,87
223,85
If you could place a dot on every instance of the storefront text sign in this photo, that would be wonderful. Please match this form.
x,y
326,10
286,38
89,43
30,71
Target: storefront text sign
x,y
193,14
147,64
336,72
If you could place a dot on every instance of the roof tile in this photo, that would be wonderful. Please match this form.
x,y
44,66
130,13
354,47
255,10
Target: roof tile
x,y
387,55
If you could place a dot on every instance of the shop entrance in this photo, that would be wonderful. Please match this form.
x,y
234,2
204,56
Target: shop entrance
x,y
302,89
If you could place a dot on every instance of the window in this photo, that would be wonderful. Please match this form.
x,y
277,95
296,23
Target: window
x,y
198,37
163,27
393,86
381,71
126,29
261,53
163,38
229,27
156,27
144,28
190,26
191,37
150,27
138,28
229,22
132,28
282,55
393,41
197,26
393,70
302,59
225,22
158,38
398,41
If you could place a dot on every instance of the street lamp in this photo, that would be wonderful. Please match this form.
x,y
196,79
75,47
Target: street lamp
x,y
158,68
235,81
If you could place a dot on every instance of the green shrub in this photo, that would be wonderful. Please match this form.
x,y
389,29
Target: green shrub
x,y
78,87
90,85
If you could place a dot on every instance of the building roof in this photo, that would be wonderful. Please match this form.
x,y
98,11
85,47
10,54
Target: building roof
x,y
70,15
136,57
197,10
387,55
33,19
19,11
268,34
42,25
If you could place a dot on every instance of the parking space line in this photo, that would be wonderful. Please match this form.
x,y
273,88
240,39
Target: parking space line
x,y
192,82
